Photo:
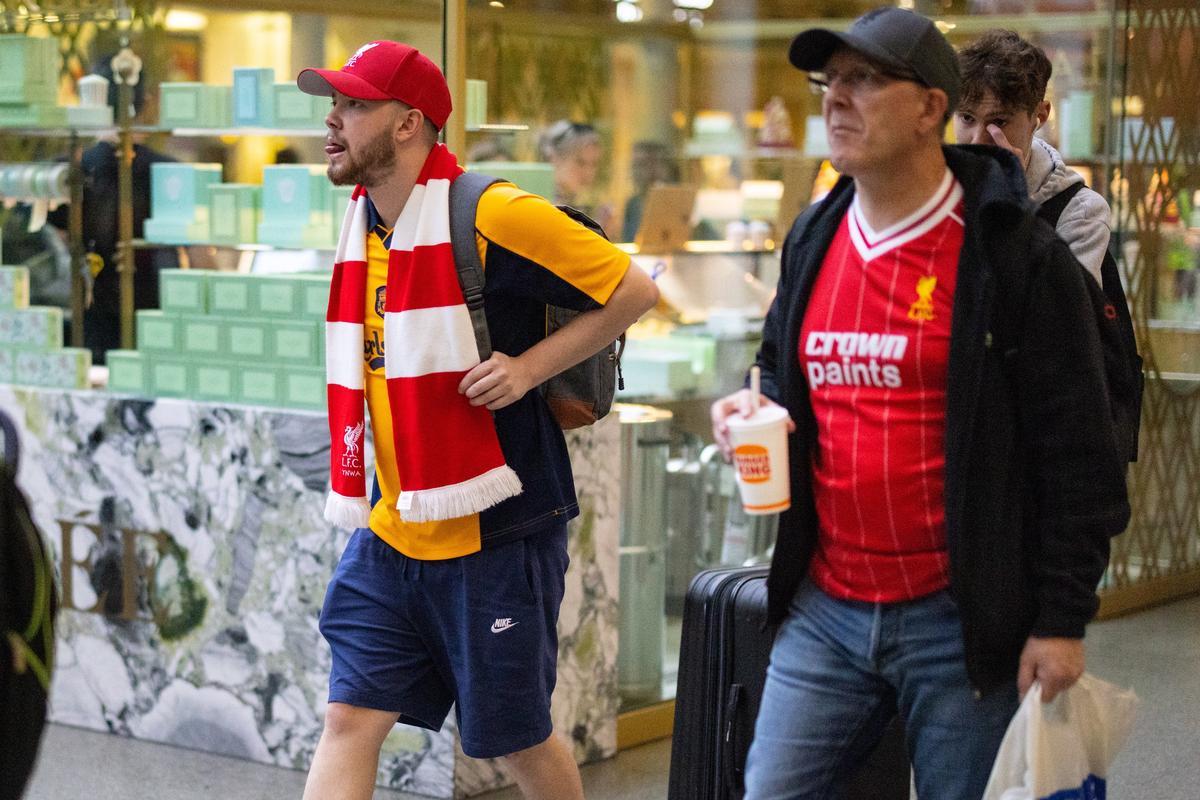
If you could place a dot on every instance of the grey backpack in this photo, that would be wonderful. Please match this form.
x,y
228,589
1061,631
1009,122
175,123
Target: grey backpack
x,y
578,396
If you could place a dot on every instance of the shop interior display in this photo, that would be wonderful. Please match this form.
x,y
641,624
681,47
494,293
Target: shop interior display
x,y
31,339
230,337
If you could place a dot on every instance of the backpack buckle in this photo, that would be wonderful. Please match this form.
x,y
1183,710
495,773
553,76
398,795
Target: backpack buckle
x,y
473,298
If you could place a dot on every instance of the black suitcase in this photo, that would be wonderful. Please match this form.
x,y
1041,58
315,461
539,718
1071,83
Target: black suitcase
x,y
723,659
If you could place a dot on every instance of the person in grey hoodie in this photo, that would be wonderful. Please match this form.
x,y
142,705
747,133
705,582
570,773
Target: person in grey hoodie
x,y
1003,104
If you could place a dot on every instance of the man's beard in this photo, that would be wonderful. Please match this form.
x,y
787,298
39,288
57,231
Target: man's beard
x,y
377,159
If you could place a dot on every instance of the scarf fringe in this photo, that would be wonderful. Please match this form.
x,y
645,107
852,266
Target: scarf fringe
x,y
460,499
350,513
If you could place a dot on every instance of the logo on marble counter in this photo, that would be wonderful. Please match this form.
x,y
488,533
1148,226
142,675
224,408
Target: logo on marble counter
x,y
131,575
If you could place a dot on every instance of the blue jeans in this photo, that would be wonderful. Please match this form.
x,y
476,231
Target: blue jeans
x,y
839,669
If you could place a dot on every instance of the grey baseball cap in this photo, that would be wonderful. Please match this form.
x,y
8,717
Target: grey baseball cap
x,y
898,39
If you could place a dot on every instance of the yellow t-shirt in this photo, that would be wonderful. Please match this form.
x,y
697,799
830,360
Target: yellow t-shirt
x,y
532,255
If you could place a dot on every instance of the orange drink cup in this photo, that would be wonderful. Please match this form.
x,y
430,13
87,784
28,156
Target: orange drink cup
x,y
760,458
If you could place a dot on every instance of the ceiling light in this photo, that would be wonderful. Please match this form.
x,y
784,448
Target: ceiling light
x,y
628,12
180,20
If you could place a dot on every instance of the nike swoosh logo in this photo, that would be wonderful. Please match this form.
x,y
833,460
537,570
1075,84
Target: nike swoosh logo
x,y
499,626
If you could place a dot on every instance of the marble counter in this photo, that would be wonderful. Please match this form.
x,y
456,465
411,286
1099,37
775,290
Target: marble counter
x,y
194,561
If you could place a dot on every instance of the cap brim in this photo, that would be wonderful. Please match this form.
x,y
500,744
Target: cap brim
x,y
811,49
324,82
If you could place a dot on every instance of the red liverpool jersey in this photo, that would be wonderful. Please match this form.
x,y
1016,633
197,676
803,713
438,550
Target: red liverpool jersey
x,y
874,347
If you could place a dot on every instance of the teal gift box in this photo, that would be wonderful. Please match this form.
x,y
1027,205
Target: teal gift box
x,y
34,116
253,103
297,343
657,374
312,234
476,103
89,116
247,339
294,192
701,350
1075,124
314,295
28,69
128,371
295,206
35,326
14,287
170,378
277,296
180,192
295,109
339,202
157,332
304,388
230,294
60,368
234,212
8,360
288,296
201,336
214,381
533,177
260,385
184,290
194,105
169,231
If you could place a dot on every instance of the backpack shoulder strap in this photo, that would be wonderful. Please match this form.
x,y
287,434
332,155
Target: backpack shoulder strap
x,y
465,192
1053,208
12,444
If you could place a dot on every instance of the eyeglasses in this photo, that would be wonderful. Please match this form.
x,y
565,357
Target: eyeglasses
x,y
857,79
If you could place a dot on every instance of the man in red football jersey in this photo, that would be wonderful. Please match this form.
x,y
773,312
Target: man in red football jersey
x,y
954,482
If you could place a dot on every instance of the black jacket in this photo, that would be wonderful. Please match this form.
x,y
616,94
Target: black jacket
x,y
1034,487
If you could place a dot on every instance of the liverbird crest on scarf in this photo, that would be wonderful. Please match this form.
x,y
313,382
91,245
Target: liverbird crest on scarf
x,y
447,453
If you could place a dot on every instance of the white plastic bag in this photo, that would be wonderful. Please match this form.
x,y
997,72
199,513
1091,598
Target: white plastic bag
x,y
1061,750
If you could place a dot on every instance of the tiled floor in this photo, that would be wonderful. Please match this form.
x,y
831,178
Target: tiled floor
x,y
1156,652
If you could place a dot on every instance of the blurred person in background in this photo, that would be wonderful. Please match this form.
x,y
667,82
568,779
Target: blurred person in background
x,y
651,164
101,213
1004,104
574,150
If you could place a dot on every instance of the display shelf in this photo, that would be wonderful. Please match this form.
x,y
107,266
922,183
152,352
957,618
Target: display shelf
x,y
142,244
66,132
60,132
496,127
703,150
717,246
199,133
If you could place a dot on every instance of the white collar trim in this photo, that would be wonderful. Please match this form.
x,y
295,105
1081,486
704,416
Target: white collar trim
x,y
871,245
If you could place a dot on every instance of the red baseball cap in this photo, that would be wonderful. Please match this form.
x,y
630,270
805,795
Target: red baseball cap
x,y
385,71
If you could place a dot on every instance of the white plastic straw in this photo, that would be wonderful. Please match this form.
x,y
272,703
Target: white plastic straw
x,y
755,387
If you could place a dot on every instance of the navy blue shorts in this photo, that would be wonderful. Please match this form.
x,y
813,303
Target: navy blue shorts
x,y
415,637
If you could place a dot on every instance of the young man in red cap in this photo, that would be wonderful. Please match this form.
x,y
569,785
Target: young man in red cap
x,y
955,479
449,589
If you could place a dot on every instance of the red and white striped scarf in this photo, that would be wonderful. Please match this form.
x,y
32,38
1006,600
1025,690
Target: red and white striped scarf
x,y
447,453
